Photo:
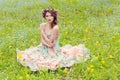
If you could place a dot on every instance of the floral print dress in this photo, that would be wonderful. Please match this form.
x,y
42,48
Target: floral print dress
x,y
41,56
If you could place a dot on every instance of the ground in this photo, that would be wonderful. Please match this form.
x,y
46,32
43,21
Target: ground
x,y
95,23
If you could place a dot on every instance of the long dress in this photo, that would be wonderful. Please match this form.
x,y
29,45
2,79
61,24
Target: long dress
x,y
42,57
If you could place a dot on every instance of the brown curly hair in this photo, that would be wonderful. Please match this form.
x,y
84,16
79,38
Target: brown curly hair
x,y
53,13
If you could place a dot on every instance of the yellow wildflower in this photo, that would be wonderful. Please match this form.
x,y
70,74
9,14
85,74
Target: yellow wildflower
x,y
85,38
1,53
3,33
71,22
24,63
10,46
56,79
113,36
27,76
97,42
103,25
96,57
19,56
30,20
91,66
66,32
32,39
92,70
101,67
20,78
102,61
65,71
118,40
110,56
88,68
8,37
75,25
86,30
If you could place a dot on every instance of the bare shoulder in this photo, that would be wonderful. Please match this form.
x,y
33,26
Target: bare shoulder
x,y
42,25
56,27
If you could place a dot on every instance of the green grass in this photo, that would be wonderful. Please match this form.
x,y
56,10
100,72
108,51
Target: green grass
x,y
95,23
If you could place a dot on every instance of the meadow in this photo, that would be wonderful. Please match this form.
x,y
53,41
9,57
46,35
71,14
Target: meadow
x,y
95,23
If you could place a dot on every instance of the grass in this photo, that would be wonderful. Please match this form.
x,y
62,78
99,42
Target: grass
x,y
95,23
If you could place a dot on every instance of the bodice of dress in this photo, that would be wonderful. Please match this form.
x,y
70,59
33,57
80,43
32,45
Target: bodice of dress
x,y
49,35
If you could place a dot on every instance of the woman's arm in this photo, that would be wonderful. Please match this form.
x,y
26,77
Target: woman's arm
x,y
44,38
43,33
54,35
44,42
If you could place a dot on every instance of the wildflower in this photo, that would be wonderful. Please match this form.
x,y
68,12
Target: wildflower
x,y
118,41
56,79
86,30
103,25
66,32
32,39
85,38
24,63
75,25
91,66
71,22
102,61
101,67
3,33
97,42
92,69
113,36
65,71
110,56
20,78
27,76
40,72
88,68
96,57
10,46
30,20
1,53
9,37
19,56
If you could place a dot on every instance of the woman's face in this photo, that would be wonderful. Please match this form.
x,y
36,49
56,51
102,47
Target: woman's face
x,y
49,17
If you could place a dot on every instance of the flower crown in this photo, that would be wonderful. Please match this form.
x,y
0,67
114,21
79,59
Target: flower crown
x,y
50,9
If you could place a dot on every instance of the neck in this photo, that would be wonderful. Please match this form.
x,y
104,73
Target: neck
x,y
49,24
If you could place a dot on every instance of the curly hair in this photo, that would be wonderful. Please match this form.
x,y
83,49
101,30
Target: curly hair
x,y
53,13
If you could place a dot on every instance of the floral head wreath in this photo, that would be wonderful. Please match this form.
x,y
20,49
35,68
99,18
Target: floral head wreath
x,y
50,9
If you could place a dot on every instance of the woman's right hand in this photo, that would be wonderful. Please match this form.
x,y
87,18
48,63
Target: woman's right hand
x,y
50,45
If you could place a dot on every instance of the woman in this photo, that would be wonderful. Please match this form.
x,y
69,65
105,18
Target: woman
x,y
49,54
